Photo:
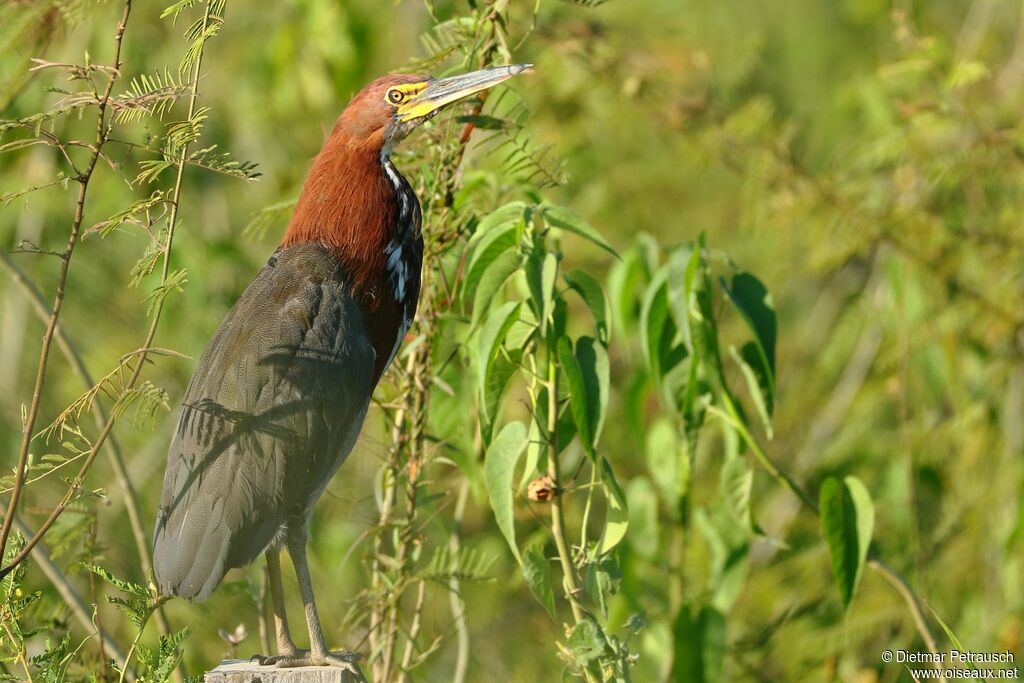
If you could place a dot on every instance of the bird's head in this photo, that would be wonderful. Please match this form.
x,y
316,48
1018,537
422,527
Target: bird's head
x,y
388,109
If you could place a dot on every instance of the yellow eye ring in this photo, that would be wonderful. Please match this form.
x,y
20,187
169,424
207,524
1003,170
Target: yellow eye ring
x,y
395,96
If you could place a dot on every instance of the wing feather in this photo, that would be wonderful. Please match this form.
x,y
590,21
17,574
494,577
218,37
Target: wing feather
x,y
274,407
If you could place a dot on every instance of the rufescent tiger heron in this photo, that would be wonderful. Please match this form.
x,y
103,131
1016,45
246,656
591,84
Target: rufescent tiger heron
x,y
281,390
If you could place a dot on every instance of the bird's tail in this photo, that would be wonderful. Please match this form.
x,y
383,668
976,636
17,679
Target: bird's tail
x,y
189,557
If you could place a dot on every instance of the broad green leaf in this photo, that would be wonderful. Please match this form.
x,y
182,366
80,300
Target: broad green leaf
x,y
522,331
703,326
755,304
503,216
564,219
491,336
735,483
627,281
489,284
502,370
577,393
590,291
499,467
847,520
699,635
593,363
681,269
537,574
617,521
491,246
757,358
656,327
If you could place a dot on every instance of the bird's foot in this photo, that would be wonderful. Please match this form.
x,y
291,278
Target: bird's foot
x,y
272,660
343,660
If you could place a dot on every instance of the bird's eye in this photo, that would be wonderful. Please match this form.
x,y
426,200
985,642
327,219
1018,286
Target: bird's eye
x,y
395,96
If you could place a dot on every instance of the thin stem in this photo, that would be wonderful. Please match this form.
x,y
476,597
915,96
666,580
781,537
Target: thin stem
x,y
44,352
131,653
67,592
414,631
117,464
147,344
557,513
458,606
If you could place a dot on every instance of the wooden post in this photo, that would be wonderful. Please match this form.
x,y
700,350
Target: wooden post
x,y
245,671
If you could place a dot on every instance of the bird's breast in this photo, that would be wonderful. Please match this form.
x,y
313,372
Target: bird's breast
x,y
391,307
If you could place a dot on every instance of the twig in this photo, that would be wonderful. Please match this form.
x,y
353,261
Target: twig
x,y
71,598
458,605
114,453
572,587
158,309
44,353
414,631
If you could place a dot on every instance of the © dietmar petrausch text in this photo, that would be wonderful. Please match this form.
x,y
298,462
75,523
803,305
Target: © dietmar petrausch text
x,y
956,664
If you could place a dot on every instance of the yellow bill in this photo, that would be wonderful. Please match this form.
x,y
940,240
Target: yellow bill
x,y
418,100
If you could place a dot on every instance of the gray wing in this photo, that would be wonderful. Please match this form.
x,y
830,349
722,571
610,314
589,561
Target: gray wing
x,y
274,407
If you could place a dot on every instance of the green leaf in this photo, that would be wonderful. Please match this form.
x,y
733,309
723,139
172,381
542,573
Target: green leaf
x,y
548,274
617,520
758,384
847,520
499,467
502,370
683,264
509,214
127,586
736,481
492,244
656,326
949,632
593,363
602,579
564,219
592,294
577,393
537,574
489,285
587,373
586,642
627,280
757,358
699,636
703,327
491,336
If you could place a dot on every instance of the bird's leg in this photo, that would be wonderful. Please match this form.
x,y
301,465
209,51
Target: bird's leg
x,y
318,654
285,645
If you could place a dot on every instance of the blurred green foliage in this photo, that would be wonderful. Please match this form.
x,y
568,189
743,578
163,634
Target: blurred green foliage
x,y
863,158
